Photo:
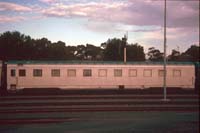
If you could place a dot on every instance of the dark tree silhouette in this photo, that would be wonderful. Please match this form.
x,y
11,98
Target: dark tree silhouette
x,y
192,54
114,50
135,52
155,54
175,55
17,46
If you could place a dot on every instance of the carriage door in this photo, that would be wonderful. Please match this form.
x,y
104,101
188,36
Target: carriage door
x,y
14,80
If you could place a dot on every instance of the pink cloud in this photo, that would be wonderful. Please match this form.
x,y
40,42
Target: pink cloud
x,y
92,10
172,33
48,1
131,12
6,19
7,6
183,14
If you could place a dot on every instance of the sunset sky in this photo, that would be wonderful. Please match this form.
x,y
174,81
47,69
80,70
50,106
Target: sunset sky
x,y
94,21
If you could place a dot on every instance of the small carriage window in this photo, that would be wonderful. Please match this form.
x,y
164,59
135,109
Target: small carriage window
x,y
102,72
37,72
118,72
55,72
132,73
147,73
87,72
161,73
177,73
12,73
22,72
71,72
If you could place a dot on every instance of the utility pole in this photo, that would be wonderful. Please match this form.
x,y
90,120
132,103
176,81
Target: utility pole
x,y
126,39
165,60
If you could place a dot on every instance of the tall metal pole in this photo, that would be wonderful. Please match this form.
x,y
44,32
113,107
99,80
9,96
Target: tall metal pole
x,y
165,41
126,39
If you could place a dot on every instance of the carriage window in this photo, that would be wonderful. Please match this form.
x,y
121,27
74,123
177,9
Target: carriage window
x,y
22,72
102,72
12,73
118,72
55,72
177,73
161,73
147,73
71,72
37,72
132,73
87,72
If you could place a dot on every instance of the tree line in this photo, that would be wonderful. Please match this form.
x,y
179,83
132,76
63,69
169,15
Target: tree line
x,y
17,46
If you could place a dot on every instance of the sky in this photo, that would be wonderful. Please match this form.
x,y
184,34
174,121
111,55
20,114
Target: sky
x,y
77,22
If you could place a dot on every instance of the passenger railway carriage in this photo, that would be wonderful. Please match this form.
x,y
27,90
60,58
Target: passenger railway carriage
x,y
91,75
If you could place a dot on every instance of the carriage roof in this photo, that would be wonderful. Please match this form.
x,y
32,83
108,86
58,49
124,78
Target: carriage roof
x,y
95,62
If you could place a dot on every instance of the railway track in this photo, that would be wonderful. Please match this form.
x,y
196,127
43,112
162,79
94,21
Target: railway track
x,y
47,104
113,102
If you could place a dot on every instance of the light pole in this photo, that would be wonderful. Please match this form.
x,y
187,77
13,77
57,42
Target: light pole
x,y
165,60
126,39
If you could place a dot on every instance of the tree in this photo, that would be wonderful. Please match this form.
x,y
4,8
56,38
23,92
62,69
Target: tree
x,y
93,52
155,54
88,52
41,48
17,46
14,45
80,52
135,52
175,55
70,52
191,54
113,49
